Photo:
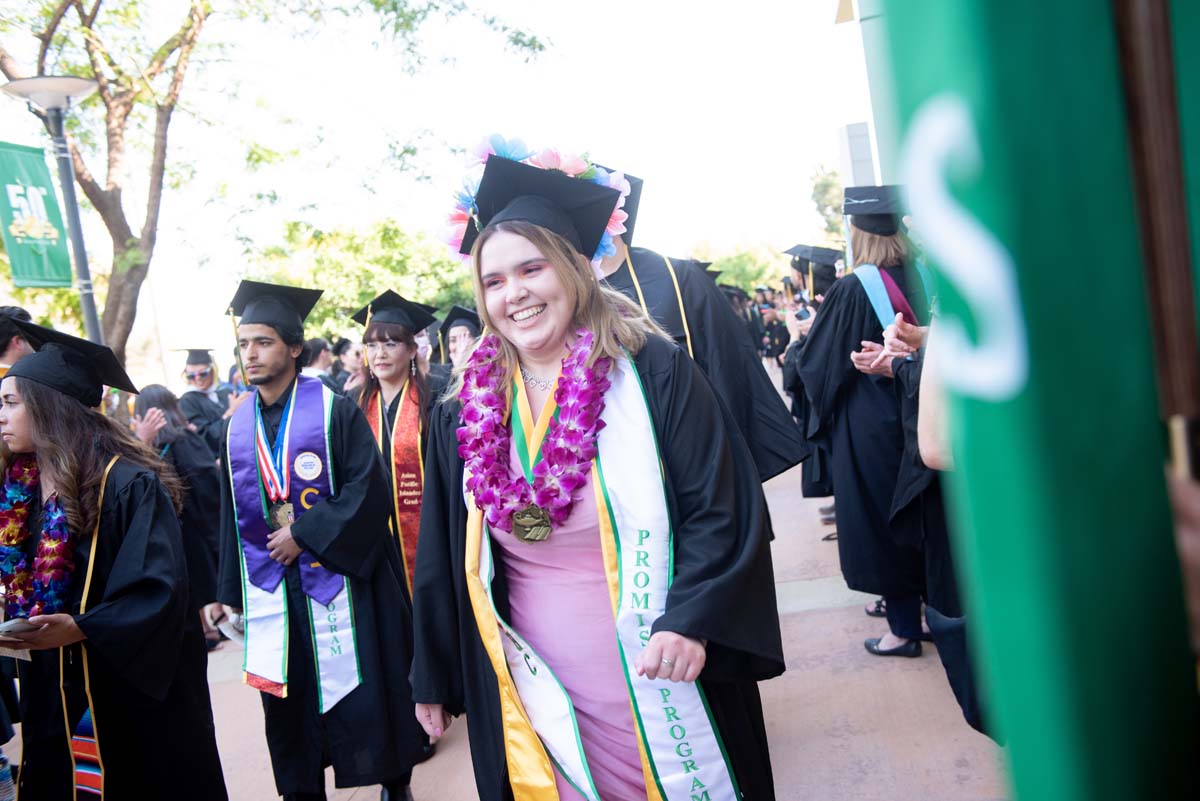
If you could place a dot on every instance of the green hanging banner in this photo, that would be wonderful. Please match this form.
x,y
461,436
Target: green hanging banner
x,y
34,236
1016,161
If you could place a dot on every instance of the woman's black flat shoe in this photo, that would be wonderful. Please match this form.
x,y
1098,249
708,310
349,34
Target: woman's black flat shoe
x,y
910,649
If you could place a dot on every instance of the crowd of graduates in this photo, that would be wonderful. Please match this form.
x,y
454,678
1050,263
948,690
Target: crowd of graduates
x,y
545,513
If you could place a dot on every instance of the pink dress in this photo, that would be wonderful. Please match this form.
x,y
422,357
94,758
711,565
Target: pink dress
x,y
560,604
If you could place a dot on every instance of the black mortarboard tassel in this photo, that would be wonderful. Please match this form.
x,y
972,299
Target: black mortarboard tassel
x,y
78,368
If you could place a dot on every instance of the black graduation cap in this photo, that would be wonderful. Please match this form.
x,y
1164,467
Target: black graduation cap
x,y
461,315
575,209
874,209
390,307
196,355
734,291
276,305
632,201
75,367
815,254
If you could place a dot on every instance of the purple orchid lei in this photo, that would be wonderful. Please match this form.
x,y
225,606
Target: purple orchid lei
x,y
567,452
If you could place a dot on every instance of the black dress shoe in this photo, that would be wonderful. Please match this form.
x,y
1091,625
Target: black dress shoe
x,y
395,793
825,510
910,649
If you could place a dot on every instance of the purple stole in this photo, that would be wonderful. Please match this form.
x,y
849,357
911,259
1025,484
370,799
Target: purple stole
x,y
307,436
306,458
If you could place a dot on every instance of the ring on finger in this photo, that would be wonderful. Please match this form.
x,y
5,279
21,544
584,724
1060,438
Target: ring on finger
x,y
668,662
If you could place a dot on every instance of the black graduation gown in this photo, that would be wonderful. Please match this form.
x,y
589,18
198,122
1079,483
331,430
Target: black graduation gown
x,y
816,480
206,416
856,418
718,514
919,503
370,736
145,658
722,351
196,465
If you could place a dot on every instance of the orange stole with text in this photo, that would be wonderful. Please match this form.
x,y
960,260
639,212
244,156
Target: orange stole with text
x,y
406,469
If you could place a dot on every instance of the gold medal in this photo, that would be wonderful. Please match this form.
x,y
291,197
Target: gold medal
x,y
280,515
531,524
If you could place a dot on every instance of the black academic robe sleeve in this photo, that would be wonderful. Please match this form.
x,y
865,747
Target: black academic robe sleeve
x,y
844,320
205,416
135,620
343,530
724,588
436,677
737,376
197,468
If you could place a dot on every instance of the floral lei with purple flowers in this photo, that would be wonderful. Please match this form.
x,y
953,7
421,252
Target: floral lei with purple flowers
x,y
42,591
567,452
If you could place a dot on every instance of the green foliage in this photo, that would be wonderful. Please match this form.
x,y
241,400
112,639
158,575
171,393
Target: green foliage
x,y
355,266
827,196
749,268
57,307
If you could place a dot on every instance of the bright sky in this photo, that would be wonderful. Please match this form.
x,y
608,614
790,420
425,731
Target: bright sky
x,y
723,109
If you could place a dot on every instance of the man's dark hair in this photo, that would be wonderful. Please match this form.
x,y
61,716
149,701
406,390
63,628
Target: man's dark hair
x,y
7,329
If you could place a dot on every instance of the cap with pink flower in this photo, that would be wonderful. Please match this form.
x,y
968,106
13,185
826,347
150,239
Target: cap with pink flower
x,y
589,203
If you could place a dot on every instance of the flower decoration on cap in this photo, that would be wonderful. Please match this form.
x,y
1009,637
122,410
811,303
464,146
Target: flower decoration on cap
x,y
579,167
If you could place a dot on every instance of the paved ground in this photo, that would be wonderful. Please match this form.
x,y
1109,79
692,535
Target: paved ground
x,y
844,725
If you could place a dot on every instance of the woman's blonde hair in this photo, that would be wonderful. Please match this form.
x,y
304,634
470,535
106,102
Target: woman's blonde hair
x,y
619,324
882,251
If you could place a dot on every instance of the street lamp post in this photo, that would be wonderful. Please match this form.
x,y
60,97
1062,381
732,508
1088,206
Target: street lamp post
x,y
53,95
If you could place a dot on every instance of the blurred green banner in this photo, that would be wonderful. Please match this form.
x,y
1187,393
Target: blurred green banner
x,y
34,237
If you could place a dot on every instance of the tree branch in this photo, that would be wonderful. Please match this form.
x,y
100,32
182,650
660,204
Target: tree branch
x,y
47,36
9,66
187,44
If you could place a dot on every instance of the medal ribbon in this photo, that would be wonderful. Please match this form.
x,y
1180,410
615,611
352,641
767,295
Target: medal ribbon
x,y
530,436
273,461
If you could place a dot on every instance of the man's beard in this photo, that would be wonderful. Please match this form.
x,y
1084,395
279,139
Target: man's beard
x,y
267,378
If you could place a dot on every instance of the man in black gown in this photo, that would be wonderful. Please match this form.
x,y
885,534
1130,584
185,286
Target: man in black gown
x,y
692,309
369,735
206,402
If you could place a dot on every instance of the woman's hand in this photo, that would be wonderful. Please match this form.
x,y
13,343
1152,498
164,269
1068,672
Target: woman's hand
x,y
672,657
55,632
147,428
354,381
433,719
868,360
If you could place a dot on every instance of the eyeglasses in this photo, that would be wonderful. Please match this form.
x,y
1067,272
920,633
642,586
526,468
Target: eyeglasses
x,y
389,346
197,376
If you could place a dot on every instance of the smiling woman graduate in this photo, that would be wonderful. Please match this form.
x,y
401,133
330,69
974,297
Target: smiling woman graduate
x,y
91,554
602,528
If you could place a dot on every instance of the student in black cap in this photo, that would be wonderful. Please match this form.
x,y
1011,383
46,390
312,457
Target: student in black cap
x,y
815,269
462,328
396,398
206,403
307,557
677,296
856,416
97,567
580,450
